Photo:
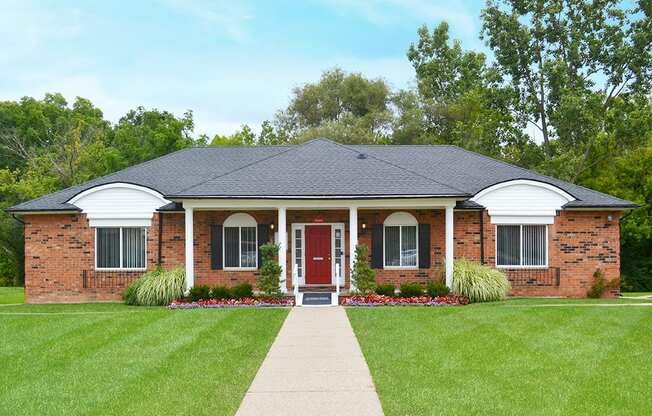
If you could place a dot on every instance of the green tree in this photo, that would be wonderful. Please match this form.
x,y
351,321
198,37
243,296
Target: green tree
x,y
461,100
346,107
146,134
570,60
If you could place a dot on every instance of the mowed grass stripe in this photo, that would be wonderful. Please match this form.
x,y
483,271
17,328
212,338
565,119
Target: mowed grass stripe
x,y
491,359
158,361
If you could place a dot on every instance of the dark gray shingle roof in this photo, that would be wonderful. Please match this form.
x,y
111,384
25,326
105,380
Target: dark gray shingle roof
x,y
321,168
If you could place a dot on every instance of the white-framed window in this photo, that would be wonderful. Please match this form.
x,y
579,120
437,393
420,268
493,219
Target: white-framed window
x,y
521,245
240,243
120,248
400,241
298,250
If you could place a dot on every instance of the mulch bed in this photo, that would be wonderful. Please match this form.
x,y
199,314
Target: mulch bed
x,y
381,300
233,303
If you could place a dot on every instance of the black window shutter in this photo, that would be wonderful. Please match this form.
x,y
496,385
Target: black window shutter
x,y
216,247
424,246
263,238
377,246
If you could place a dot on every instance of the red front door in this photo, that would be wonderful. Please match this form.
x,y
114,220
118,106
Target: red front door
x,y
318,254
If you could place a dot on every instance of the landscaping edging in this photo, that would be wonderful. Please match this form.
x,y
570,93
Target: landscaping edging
x,y
233,303
381,300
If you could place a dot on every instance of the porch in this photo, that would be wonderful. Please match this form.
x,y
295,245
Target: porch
x,y
317,240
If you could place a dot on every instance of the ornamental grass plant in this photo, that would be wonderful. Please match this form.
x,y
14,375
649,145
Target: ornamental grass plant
x,y
478,282
156,288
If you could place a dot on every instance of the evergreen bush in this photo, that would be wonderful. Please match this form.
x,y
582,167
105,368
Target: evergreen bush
x,y
363,276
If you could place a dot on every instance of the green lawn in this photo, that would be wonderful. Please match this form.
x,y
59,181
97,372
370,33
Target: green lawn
x,y
113,359
635,294
12,295
510,358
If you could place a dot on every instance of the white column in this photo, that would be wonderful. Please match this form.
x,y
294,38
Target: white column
x,y
450,255
283,247
190,259
353,240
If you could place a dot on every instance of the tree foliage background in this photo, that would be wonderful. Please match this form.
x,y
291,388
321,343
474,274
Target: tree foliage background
x,y
578,72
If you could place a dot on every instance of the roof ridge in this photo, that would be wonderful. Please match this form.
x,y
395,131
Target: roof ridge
x,y
234,170
403,168
536,173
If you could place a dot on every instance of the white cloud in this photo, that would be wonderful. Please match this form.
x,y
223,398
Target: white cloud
x,y
26,27
383,12
230,17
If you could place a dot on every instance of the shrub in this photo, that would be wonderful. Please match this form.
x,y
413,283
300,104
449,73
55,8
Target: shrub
x,y
130,294
243,290
386,289
600,285
409,290
269,278
435,289
220,292
161,287
479,283
363,276
199,292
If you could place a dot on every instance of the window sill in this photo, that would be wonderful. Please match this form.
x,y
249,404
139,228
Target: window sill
x,y
522,267
401,267
240,269
119,269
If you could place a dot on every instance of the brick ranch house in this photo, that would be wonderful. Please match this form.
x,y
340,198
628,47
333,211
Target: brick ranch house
x,y
417,208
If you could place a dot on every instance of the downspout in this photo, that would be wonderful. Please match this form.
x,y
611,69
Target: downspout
x,y
481,212
160,239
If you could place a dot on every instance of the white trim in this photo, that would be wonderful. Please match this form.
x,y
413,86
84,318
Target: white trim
x,y
189,247
538,184
239,268
302,226
353,242
521,266
283,247
260,204
120,269
400,247
450,246
118,185
400,218
240,219
313,197
294,228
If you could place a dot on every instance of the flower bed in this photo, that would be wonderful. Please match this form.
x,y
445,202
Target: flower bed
x,y
233,303
381,300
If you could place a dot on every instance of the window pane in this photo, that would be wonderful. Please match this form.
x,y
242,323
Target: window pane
x,y
508,242
248,250
299,252
133,247
108,247
392,244
409,245
231,246
534,245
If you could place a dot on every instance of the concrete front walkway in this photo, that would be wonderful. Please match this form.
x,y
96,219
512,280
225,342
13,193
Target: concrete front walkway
x,y
314,367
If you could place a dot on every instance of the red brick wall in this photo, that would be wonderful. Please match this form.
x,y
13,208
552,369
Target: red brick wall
x,y
59,247
579,243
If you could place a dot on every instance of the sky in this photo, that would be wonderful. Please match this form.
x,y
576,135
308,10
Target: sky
x,y
231,63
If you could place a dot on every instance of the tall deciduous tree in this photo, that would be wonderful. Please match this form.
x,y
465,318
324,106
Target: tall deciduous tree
x,y
570,60
344,106
461,98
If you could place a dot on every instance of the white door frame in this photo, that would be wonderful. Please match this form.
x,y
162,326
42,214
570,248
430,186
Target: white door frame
x,y
302,226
